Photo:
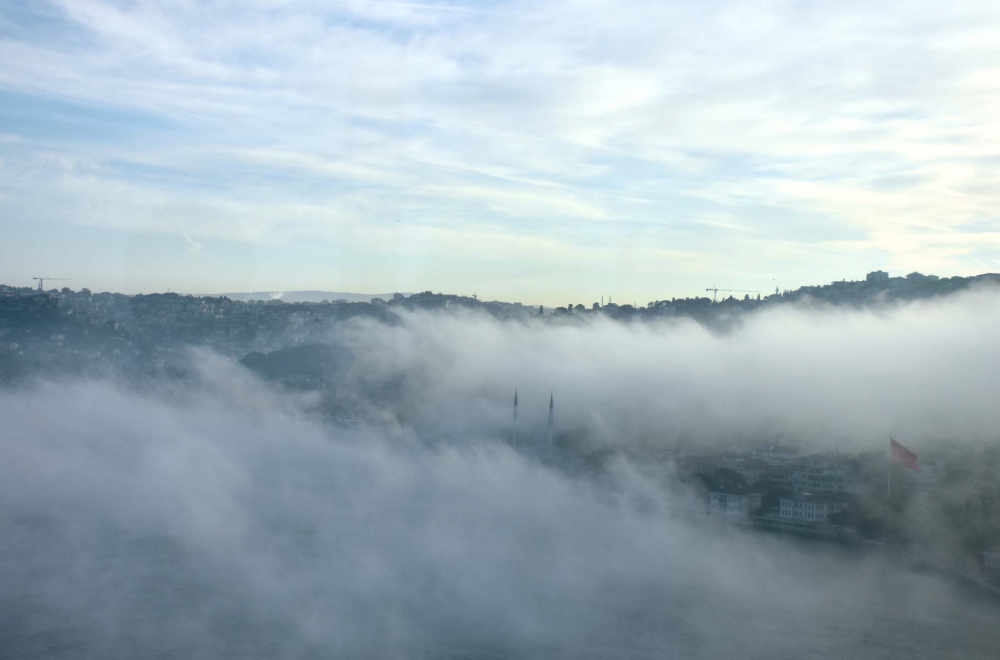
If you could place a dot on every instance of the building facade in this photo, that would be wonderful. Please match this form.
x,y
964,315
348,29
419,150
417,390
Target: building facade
x,y
734,506
810,508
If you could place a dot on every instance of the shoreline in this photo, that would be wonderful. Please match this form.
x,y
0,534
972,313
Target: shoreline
x,y
860,546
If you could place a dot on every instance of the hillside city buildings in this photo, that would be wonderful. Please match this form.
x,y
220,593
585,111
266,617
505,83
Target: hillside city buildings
x,y
62,328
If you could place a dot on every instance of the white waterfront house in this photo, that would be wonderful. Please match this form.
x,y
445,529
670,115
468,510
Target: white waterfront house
x,y
813,508
735,507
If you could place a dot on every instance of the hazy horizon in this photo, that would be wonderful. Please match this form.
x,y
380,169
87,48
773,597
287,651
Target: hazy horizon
x,y
304,295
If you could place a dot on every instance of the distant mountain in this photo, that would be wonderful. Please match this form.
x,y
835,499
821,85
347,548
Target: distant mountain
x,y
307,296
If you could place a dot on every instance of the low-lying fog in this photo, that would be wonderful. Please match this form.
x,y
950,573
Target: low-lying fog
x,y
222,517
825,376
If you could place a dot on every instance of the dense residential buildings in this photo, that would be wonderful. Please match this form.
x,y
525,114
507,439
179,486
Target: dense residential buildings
x,y
812,508
824,474
80,329
737,507
877,277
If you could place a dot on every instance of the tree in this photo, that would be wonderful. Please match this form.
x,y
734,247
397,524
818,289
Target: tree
x,y
728,479
772,494
838,519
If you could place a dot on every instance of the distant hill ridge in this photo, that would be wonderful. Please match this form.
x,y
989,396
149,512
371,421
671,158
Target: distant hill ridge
x,y
307,296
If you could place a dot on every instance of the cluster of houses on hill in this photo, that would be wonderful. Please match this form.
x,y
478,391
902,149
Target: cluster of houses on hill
x,y
822,494
774,487
80,329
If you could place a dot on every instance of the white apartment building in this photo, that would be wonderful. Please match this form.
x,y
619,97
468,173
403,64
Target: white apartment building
x,y
734,507
817,474
809,508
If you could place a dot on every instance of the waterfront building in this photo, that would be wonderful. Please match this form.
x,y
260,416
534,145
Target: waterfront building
x,y
734,506
808,507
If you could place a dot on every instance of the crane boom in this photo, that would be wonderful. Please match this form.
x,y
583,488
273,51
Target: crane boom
x,y
715,292
41,281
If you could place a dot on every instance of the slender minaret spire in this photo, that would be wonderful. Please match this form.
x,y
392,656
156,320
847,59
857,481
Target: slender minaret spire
x,y
551,416
515,416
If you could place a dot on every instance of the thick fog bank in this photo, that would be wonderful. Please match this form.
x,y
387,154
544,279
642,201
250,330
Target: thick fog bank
x,y
826,377
219,520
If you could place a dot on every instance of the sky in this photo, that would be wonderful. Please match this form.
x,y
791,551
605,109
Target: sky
x,y
524,151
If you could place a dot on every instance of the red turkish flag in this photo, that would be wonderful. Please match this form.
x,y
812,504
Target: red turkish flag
x,y
904,456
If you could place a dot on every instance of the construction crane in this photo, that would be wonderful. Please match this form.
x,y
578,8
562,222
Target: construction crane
x,y
41,281
715,292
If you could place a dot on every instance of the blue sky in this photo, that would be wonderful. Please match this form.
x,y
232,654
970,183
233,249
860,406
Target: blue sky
x,y
537,151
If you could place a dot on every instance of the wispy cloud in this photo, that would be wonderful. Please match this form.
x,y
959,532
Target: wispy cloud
x,y
193,245
820,131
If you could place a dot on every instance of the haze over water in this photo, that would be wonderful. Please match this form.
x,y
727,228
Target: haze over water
x,y
213,515
120,595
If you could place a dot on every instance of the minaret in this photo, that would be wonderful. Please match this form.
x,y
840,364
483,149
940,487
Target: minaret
x,y
551,416
515,417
